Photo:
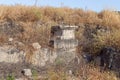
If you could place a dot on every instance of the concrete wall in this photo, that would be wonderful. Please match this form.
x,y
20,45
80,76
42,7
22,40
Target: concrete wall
x,y
68,34
66,46
43,56
40,57
8,55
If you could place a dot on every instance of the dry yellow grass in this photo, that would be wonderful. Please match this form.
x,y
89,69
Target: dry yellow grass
x,y
58,15
91,73
86,72
110,18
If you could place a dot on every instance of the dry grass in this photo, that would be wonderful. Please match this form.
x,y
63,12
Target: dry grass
x,y
67,15
36,21
110,18
18,13
109,39
86,72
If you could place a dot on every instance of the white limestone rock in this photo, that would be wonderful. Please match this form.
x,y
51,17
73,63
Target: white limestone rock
x,y
10,39
36,45
27,72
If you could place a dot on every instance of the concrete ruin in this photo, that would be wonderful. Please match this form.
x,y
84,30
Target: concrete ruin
x,y
64,42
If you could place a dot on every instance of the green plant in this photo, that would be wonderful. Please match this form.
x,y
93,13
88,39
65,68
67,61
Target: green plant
x,y
34,74
10,77
2,78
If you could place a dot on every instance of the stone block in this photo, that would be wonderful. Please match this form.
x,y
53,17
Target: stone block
x,y
27,72
36,45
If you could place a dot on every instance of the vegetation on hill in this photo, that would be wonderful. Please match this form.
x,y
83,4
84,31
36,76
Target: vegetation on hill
x,y
29,24
32,24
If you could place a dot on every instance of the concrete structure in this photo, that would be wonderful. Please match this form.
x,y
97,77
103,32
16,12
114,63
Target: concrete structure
x,y
40,57
64,42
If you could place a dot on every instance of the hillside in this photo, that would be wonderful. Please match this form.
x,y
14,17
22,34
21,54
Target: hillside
x,y
29,24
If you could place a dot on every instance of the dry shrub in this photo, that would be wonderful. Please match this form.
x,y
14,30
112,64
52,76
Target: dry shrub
x,y
84,72
90,72
32,33
29,53
92,17
18,13
43,35
110,18
53,74
2,13
93,39
110,39
3,39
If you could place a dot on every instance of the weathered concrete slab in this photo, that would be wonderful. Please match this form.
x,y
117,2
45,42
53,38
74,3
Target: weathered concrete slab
x,y
64,42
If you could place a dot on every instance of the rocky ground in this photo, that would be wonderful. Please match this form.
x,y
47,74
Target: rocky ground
x,y
10,69
14,69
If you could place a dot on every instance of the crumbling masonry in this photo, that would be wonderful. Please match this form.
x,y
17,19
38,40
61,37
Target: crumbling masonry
x,y
64,42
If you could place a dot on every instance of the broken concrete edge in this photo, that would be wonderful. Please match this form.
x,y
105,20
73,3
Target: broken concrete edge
x,y
41,56
68,27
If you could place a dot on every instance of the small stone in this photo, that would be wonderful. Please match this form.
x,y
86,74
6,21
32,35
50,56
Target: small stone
x,y
70,72
27,72
36,45
10,39
20,79
19,43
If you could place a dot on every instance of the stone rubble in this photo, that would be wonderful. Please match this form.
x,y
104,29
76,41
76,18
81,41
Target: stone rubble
x,y
27,72
40,56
